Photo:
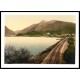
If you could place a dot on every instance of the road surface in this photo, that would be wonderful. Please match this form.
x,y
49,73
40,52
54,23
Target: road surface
x,y
55,56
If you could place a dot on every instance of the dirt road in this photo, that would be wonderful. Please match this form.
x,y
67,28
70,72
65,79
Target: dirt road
x,y
54,57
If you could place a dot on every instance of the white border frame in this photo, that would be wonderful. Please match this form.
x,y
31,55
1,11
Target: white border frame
x,y
76,65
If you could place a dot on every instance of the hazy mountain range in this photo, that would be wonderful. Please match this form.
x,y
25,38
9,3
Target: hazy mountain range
x,y
53,26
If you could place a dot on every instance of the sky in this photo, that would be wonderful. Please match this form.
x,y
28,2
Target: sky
x,y
19,22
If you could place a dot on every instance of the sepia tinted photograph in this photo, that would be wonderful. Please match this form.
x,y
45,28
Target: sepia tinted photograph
x,y
40,39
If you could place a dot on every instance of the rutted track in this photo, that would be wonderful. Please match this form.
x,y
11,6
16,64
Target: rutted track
x,y
54,57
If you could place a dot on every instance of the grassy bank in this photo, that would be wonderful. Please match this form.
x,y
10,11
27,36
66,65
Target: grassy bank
x,y
69,55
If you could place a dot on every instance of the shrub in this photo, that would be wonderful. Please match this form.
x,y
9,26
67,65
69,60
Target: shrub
x,y
16,56
69,55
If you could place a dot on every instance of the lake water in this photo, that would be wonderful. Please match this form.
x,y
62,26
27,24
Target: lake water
x,y
33,44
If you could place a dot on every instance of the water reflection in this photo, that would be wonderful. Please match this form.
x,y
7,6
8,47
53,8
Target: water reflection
x,y
33,44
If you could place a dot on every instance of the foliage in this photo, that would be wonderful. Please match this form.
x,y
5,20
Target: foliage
x,y
69,55
16,56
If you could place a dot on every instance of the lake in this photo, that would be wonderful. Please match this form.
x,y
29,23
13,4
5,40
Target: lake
x,y
34,44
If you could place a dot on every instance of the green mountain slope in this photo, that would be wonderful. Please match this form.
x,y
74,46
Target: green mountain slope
x,y
50,27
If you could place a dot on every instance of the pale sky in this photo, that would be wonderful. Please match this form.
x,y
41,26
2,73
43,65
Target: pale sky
x,y
18,22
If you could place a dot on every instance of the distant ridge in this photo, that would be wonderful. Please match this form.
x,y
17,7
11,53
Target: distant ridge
x,y
54,25
9,32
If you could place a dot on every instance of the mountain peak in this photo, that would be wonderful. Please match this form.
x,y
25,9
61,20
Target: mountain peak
x,y
43,21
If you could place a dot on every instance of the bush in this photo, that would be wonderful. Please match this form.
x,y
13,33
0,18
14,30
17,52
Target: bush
x,y
16,56
69,55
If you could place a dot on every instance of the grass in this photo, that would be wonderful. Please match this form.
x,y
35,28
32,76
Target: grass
x,y
69,55
13,56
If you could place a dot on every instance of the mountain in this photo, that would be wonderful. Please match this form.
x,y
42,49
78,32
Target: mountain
x,y
17,31
28,29
9,32
52,27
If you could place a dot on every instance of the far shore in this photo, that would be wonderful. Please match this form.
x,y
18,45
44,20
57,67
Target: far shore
x,y
35,36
